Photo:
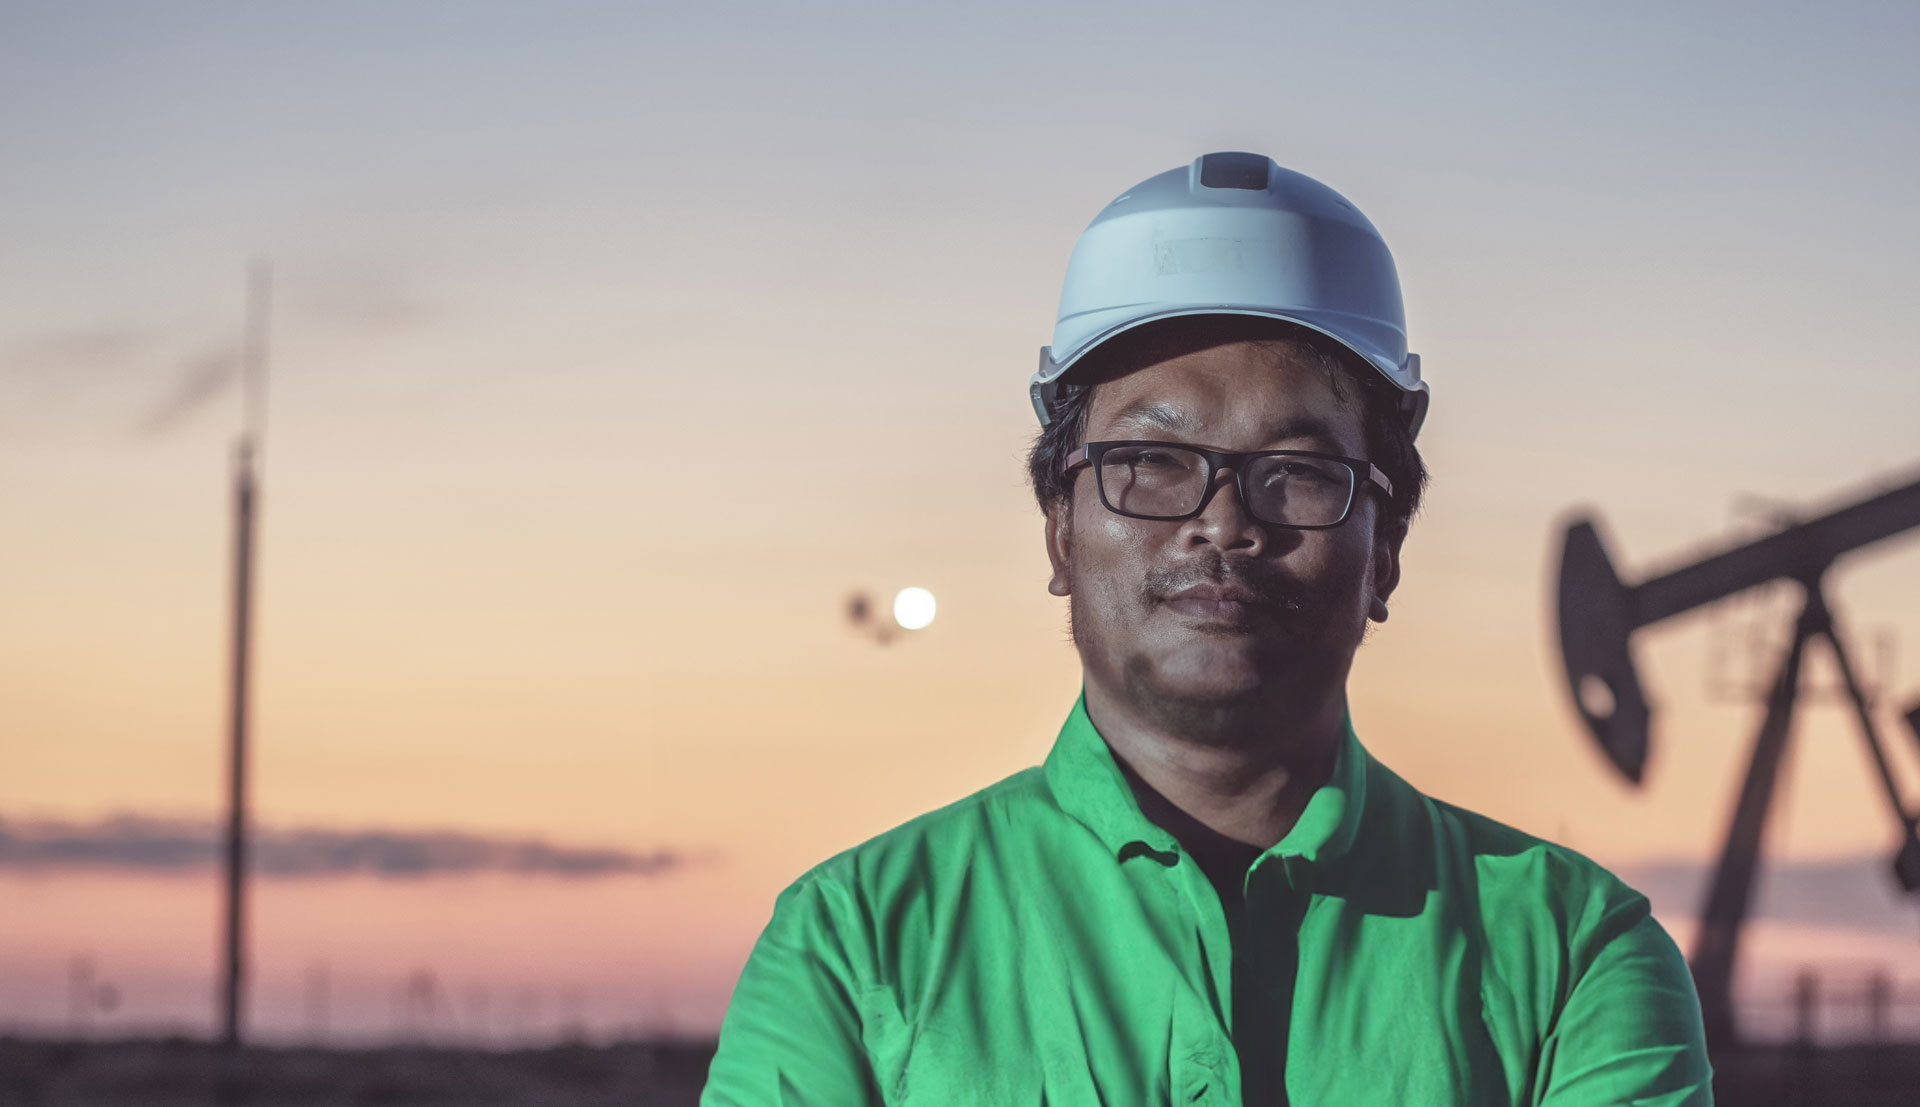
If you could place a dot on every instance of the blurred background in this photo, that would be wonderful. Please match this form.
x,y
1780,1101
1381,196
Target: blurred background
x,y
615,346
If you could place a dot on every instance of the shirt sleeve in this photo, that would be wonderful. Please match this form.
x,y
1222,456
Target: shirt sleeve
x,y
791,1035
1630,1031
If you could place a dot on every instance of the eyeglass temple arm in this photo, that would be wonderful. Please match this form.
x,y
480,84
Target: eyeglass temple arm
x,y
1379,478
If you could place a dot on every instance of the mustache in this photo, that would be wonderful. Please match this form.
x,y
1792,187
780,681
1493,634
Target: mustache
x,y
1269,586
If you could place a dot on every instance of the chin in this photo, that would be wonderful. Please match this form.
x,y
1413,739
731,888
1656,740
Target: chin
x,y
1210,673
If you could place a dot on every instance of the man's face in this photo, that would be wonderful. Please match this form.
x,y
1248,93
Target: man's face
x,y
1312,590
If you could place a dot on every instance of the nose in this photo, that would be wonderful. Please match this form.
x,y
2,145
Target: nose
x,y
1224,518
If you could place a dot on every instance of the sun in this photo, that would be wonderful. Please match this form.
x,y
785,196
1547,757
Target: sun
x,y
913,608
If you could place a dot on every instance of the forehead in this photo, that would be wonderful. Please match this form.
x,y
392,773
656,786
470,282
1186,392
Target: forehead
x,y
1237,395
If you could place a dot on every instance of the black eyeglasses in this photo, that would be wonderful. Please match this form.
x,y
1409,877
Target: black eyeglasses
x,y
1171,480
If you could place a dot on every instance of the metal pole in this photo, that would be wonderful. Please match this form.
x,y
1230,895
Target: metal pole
x,y
245,491
236,858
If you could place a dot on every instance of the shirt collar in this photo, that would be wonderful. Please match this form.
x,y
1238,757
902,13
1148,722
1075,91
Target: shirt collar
x,y
1087,783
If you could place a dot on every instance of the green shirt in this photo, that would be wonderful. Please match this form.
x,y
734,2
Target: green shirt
x,y
1042,942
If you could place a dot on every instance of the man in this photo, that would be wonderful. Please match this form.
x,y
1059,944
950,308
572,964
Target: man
x,y
1211,893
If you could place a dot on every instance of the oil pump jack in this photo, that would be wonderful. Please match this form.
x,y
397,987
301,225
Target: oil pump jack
x,y
1598,615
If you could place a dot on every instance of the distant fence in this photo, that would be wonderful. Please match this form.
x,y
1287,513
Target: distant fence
x,y
1828,1008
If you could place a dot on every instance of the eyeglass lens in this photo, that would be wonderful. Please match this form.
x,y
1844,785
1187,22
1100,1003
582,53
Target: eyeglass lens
x,y
1169,482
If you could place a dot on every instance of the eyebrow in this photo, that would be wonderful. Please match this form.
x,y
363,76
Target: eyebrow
x,y
1165,416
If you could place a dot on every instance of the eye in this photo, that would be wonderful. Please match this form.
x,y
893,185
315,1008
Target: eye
x,y
1151,457
1302,472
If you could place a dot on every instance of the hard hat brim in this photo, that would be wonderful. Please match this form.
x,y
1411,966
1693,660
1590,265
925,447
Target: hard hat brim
x,y
1051,375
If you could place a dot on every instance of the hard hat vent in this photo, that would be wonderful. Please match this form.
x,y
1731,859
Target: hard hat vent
x,y
1234,170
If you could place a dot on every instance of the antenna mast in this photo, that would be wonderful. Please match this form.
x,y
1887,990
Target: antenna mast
x,y
253,384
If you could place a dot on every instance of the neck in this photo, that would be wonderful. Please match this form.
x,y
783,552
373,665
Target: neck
x,y
1235,789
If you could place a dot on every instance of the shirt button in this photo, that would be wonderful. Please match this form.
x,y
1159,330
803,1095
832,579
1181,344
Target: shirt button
x,y
1202,1084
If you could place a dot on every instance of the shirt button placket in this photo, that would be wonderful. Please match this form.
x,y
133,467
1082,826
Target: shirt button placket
x,y
1200,1073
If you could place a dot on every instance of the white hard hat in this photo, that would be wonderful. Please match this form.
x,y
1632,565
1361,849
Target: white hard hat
x,y
1233,234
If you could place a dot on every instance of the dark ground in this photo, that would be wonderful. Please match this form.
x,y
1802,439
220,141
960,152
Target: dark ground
x,y
1795,1076
183,1072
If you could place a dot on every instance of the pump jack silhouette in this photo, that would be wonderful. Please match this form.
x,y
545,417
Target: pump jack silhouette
x,y
1598,615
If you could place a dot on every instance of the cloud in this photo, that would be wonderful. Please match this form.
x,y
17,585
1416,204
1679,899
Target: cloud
x,y
1851,893
134,843
52,368
64,353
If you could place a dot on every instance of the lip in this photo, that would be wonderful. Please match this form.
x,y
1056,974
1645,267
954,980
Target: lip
x,y
1216,603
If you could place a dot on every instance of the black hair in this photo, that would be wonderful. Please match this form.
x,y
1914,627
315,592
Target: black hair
x,y
1388,443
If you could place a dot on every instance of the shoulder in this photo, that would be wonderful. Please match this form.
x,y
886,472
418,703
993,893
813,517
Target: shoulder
x,y
1576,962
1512,872
1552,920
1572,958
881,911
929,849
1545,916
1507,855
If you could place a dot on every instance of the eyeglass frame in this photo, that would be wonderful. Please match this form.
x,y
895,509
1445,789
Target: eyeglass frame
x,y
1365,474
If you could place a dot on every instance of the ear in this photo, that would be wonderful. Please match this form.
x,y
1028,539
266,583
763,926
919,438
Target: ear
x,y
1388,536
1059,546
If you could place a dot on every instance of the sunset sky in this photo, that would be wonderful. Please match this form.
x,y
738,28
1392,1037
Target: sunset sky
x,y
559,288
